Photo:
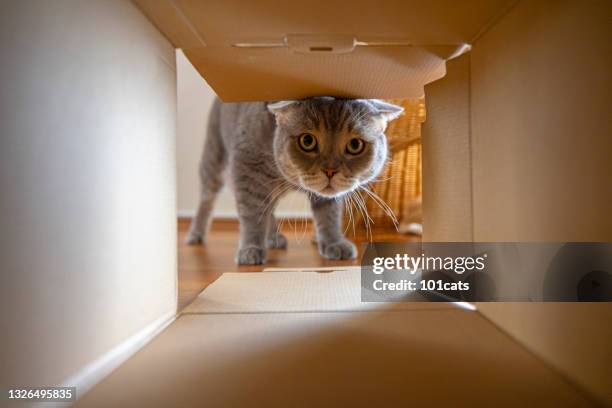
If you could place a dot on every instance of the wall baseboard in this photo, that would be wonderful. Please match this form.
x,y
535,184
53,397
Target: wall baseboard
x,y
93,373
187,213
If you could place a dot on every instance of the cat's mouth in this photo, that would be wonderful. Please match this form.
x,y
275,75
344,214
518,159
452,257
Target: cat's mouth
x,y
329,190
325,188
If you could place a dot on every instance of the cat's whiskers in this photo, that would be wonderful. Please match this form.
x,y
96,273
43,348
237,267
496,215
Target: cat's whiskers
x,y
349,206
304,219
282,183
363,210
352,215
380,180
293,222
286,185
346,209
273,197
384,206
363,205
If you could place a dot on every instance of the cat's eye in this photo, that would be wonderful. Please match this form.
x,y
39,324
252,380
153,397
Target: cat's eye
x,y
355,146
307,142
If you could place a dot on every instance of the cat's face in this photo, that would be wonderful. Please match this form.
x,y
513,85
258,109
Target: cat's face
x,y
331,146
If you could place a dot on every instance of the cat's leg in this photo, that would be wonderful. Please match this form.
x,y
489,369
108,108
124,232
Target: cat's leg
x,y
254,222
275,238
211,183
212,164
201,222
332,244
254,191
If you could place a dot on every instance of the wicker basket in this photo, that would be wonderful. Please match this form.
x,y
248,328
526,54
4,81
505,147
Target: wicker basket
x,y
399,185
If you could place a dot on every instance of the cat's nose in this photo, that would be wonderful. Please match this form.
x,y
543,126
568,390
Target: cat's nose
x,y
329,172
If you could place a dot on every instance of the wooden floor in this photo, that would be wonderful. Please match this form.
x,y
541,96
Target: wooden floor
x,y
200,265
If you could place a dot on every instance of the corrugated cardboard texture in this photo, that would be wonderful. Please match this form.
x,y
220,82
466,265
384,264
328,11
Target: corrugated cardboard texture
x,y
387,358
292,291
414,38
541,139
447,160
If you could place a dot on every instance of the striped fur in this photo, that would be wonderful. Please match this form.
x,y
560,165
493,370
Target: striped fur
x,y
257,143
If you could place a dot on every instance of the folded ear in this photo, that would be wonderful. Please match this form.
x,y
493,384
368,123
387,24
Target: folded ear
x,y
282,109
384,110
278,106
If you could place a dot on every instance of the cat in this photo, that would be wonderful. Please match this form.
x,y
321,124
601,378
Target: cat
x,y
324,146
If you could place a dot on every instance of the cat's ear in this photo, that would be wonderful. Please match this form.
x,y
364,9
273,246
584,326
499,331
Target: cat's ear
x,y
278,106
282,109
384,110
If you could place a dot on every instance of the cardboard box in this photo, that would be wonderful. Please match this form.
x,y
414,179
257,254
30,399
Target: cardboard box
x,y
517,147
518,138
266,50
239,345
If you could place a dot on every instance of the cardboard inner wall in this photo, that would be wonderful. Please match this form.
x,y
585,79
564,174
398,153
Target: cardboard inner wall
x,y
538,95
517,142
87,136
312,359
266,50
447,170
541,129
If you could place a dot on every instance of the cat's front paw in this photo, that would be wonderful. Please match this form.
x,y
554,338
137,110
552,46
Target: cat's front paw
x,y
251,256
344,249
278,241
194,238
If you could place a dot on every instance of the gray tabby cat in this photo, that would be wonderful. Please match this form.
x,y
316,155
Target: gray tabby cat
x,y
323,146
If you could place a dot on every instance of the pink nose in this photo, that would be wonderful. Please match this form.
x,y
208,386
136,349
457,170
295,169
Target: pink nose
x,y
329,172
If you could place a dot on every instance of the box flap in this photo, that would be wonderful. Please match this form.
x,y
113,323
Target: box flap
x,y
266,50
278,291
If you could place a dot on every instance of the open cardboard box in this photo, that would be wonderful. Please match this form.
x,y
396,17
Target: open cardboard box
x,y
517,142
303,338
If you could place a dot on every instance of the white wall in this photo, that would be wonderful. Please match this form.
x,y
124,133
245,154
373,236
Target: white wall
x,y
87,184
194,100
